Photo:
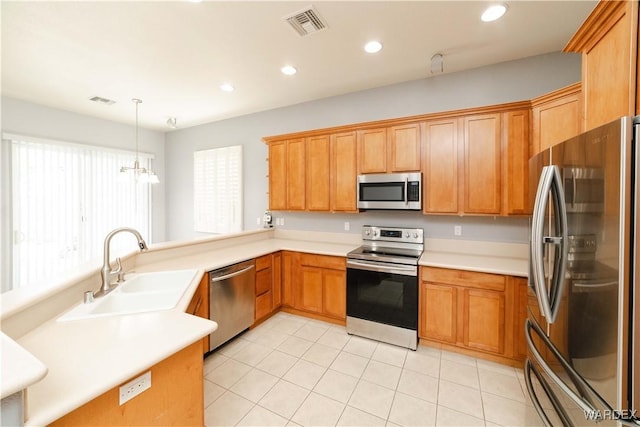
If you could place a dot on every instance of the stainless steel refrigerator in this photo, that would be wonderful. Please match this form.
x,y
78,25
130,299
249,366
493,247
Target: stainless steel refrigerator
x,y
583,326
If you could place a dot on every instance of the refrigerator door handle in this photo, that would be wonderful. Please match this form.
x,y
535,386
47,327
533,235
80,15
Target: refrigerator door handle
x,y
549,298
528,370
582,401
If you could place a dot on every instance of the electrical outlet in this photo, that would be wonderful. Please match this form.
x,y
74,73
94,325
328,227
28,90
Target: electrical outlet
x,y
281,221
347,226
457,230
134,387
258,221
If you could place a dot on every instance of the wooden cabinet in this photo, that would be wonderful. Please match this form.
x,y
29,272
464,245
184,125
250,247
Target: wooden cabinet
x,y
199,305
268,285
440,165
176,397
318,168
482,167
608,41
344,172
515,175
467,309
290,265
322,286
522,302
287,174
556,117
390,149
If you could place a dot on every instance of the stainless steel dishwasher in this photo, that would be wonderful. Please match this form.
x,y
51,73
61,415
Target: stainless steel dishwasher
x,y
231,300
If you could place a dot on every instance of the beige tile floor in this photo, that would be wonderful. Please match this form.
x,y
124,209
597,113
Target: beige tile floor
x,y
291,370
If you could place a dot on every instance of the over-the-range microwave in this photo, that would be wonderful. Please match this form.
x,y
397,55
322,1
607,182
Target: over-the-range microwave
x,y
393,191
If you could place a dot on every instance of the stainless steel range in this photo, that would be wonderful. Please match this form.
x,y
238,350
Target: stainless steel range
x,y
382,285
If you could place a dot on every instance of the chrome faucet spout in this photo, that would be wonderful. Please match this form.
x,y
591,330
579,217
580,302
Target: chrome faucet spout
x,y
106,273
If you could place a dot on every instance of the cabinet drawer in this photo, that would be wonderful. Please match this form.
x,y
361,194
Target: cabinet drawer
x,y
324,261
468,279
263,281
263,305
263,262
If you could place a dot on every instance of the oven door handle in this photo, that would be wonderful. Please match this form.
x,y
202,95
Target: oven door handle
x,y
408,270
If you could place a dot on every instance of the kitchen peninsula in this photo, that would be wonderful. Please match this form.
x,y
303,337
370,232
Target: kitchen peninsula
x,y
93,356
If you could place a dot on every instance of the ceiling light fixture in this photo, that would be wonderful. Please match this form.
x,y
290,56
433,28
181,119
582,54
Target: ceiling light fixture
x,y
437,63
141,174
172,122
288,70
373,47
493,13
226,87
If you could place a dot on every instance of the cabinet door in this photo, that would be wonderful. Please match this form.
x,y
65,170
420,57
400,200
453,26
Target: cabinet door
x,y
556,118
520,342
483,320
264,281
608,42
440,162
482,167
372,151
318,173
404,148
278,175
277,280
335,294
295,183
516,149
344,172
310,291
289,277
438,307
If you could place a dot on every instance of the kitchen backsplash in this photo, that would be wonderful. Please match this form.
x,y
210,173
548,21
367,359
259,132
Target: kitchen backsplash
x,y
498,229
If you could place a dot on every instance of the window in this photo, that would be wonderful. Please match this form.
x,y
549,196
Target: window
x,y
65,198
217,176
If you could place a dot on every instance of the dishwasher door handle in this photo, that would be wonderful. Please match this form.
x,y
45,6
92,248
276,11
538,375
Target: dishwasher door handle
x,y
230,275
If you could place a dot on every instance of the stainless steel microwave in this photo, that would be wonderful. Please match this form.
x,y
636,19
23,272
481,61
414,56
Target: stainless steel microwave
x,y
393,191
583,189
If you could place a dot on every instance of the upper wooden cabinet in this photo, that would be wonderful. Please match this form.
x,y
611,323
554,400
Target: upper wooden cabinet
x,y
482,167
440,165
556,117
344,172
389,150
287,175
608,41
318,173
515,175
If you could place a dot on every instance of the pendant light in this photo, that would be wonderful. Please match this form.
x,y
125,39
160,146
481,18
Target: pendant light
x,y
141,174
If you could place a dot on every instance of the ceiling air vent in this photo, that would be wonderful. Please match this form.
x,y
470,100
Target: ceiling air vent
x,y
101,100
306,21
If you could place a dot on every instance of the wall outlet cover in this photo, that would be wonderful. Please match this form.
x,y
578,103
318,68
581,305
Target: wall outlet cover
x,y
134,387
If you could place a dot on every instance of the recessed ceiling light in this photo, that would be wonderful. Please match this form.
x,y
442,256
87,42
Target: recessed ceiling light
x,y
227,87
494,12
288,70
373,47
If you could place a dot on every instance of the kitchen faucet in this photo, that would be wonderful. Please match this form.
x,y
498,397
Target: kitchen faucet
x,y
107,272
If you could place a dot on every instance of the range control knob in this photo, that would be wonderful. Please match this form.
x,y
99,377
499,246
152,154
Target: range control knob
x,y
406,234
415,235
375,233
367,232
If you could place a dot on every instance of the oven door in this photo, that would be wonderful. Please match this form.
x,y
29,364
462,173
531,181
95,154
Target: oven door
x,y
383,293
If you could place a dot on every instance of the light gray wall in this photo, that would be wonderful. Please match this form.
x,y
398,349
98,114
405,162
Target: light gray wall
x,y
28,119
506,82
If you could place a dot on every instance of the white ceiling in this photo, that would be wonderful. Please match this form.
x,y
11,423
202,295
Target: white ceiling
x,y
174,54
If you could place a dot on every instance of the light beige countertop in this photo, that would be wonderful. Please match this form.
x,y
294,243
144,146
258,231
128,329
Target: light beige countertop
x,y
86,358
20,368
486,257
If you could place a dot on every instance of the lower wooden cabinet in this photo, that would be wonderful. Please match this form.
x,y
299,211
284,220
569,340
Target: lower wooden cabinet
x,y
175,398
323,285
469,310
199,305
268,285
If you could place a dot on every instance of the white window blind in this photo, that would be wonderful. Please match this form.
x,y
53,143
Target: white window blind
x,y
65,199
217,183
